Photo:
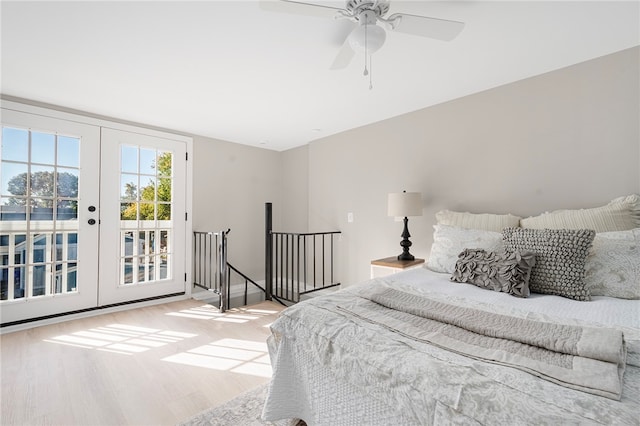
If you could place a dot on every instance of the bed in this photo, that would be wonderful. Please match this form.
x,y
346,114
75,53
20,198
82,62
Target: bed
x,y
453,344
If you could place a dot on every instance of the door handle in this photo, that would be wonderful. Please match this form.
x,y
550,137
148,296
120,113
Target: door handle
x,y
91,221
92,208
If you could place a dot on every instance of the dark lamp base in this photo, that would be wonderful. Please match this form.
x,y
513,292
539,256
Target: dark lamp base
x,y
405,243
406,256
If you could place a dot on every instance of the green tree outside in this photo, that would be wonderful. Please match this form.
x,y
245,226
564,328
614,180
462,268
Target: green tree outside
x,y
43,189
155,195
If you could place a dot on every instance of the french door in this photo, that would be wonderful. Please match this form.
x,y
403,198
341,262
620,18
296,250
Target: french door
x,y
142,242
89,216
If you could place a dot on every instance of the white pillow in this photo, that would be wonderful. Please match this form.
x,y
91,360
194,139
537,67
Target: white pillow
x,y
484,221
620,214
450,241
613,269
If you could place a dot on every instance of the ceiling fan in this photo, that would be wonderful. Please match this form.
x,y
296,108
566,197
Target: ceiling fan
x,y
368,36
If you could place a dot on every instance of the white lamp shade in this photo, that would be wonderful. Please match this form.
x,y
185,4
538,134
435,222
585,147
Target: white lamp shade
x,y
403,204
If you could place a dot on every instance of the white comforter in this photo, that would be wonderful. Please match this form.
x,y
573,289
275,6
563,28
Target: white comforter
x,y
329,368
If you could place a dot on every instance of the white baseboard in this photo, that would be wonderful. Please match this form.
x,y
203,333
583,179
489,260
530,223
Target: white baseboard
x,y
91,313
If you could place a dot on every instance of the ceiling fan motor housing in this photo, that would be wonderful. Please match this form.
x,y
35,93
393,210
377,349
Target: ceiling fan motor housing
x,y
356,7
367,37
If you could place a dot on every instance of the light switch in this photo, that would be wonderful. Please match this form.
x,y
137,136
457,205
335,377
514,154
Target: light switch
x,y
350,217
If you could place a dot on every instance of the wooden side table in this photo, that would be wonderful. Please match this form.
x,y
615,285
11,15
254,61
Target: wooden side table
x,y
391,265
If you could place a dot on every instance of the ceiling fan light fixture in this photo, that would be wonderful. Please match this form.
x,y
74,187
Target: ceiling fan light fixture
x,y
369,37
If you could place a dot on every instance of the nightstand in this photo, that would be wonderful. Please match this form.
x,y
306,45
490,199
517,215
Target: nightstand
x,y
391,265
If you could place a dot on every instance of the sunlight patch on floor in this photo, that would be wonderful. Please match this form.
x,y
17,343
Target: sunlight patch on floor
x,y
237,356
121,338
236,315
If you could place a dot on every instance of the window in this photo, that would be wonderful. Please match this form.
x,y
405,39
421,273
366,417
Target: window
x,y
38,213
146,185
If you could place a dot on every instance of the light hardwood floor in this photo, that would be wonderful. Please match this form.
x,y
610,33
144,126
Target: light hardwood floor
x,y
156,365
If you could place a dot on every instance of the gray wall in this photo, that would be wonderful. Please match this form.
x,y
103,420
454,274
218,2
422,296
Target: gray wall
x,y
231,183
294,210
566,139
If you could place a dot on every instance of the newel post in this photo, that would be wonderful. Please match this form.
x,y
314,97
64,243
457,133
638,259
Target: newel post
x,y
268,252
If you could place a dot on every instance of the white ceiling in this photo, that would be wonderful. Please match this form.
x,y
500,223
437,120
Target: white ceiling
x,y
230,70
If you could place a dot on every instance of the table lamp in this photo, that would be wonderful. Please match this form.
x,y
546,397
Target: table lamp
x,y
403,204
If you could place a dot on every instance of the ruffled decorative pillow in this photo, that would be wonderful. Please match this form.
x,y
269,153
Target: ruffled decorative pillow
x,y
560,259
505,271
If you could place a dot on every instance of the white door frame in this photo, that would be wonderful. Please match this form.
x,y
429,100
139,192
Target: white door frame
x,y
111,289
86,119
86,295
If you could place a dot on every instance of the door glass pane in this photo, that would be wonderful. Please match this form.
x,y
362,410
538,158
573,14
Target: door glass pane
x,y
15,144
19,282
59,250
72,246
143,243
12,209
43,148
147,219
151,271
72,273
164,211
42,181
165,165
164,268
66,209
129,243
4,283
39,280
152,242
129,159
14,178
68,151
147,211
147,161
57,285
128,270
148,189
39,182
39,247
129,211
67,182
164,189
41,209
129,187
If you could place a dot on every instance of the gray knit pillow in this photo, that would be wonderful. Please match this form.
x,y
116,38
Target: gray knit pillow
x,y
505,271
560,258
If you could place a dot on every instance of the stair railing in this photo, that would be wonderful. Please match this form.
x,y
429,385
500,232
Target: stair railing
x,y
297,263
210,267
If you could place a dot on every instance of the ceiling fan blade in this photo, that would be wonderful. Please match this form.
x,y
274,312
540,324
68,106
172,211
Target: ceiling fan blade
x,y
299,8
440,29
344,56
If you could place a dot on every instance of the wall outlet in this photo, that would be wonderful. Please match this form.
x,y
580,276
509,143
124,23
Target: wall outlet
x,y
350,217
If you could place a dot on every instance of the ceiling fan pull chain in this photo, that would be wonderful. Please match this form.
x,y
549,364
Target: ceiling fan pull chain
x,y
371,73
366,72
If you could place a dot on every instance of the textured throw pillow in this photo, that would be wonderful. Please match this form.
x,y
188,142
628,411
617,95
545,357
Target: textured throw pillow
x,y
484,221
449,241
560,259
620,214
613,268
506,271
